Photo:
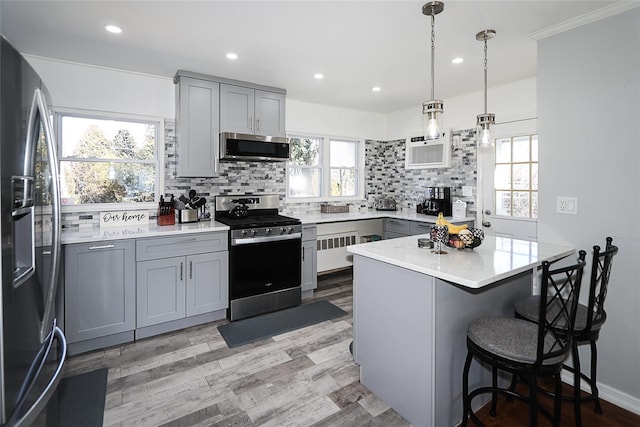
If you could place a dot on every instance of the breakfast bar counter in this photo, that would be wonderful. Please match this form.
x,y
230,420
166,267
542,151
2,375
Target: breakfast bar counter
x,y
411,309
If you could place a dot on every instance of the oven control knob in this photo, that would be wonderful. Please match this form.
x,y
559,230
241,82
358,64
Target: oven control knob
x,y
289,230
267,230
243,232
282,230
253,232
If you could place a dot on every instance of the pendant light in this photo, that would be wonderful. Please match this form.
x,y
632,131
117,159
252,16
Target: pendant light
x,y
486,120
432,108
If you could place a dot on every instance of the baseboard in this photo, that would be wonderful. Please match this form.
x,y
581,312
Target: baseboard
x,y
610,394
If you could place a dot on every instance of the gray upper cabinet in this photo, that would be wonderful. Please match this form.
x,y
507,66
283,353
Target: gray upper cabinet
x,y
270,110
198,126
99,289
251,111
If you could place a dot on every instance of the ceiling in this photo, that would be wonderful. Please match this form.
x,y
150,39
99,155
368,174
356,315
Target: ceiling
x,y
356,44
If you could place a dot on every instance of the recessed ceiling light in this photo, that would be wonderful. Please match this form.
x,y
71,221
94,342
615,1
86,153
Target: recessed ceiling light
x,y
232,56
457,60
113,29
376,88
318,76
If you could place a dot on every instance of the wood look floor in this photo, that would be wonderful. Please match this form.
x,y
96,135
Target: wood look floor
x,y
302,378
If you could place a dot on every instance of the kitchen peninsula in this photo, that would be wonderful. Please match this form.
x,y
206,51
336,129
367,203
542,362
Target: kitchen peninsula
x,y
411,309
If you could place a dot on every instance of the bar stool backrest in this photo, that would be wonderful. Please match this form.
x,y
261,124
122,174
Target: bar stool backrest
x,y
600,272
558,305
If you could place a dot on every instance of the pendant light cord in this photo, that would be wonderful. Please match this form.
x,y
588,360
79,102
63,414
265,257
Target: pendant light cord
x,y
433,48
485,74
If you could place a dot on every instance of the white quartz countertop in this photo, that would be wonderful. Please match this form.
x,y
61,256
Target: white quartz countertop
x,y
70,236
138,231
319,218
495,259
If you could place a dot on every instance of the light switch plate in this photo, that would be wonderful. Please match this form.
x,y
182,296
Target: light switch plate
x,y
467,191
567,205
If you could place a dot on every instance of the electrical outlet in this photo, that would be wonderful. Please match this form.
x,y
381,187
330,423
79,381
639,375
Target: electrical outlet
x,y
467,191
567,205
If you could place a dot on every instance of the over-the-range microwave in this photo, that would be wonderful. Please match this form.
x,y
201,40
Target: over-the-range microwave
x,y
239,146
428,154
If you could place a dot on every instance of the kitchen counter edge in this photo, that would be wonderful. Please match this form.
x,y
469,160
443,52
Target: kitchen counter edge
x,y
321,218
138,231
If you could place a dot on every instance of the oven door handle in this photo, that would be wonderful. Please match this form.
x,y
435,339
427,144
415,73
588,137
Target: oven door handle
x,y
250,240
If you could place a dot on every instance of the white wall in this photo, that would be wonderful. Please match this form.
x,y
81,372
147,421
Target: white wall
x,y
589,115
80,86
331,120
508,102
87,87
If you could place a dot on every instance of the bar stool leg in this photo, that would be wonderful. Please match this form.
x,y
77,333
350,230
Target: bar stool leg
x,y
557,401
533,391
577,407
466,404
594,369
494,395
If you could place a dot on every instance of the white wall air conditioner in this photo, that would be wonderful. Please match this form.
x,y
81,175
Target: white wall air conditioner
x,y
431,154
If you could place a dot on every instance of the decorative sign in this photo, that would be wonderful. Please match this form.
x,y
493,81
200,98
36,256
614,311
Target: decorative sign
x,y
123,218
120,232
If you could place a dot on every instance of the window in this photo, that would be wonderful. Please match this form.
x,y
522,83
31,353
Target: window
x,y
325,168
516,177
108,160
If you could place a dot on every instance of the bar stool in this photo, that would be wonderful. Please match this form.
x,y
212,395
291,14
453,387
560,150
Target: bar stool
x,y
526,349
589,320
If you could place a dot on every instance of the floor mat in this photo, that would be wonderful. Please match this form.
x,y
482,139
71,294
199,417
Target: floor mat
x,y
267,325
80,400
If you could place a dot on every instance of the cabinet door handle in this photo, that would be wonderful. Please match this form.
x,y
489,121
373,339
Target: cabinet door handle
x,y
188,239
101,247
251,122
190,269
181,270
302,254
257,125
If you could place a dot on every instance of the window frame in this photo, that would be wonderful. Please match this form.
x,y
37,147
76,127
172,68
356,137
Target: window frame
x,y
325,169
511,164
59,113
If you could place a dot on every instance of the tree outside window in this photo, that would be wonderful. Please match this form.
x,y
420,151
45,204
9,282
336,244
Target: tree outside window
x,y
325,168
107,161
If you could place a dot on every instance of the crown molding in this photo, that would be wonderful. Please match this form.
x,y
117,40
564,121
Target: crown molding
x,y
587,18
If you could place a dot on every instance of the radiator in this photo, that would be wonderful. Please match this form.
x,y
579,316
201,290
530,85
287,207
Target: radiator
x,y
332,250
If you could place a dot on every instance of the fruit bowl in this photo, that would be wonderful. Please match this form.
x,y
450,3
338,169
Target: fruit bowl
x,y
468,238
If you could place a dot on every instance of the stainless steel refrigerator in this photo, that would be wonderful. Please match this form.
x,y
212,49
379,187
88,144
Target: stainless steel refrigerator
x,y
32,347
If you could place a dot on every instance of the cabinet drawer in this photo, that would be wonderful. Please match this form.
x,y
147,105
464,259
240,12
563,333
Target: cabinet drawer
x,y
309,232
187,244
397,226
421,228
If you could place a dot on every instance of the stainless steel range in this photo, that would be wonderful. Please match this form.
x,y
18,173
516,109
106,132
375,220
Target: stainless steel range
x,y
264,254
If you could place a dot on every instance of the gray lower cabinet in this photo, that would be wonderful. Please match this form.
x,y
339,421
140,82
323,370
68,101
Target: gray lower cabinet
x,y
394,228
99,289
309,258
172,287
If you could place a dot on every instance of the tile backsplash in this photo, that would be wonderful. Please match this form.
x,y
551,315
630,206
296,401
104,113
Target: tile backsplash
x,y
384,169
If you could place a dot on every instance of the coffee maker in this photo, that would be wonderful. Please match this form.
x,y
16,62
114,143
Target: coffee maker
x,y
438,200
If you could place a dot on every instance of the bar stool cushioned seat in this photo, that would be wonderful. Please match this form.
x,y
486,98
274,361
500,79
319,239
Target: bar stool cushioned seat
x,y
522,348
588,322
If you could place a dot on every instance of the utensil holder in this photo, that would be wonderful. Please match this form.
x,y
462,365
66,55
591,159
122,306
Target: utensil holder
x,y
187,215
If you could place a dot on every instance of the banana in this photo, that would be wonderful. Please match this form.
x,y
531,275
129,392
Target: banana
x,y
453,229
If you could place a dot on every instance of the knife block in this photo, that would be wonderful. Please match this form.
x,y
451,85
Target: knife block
x,y
166,214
